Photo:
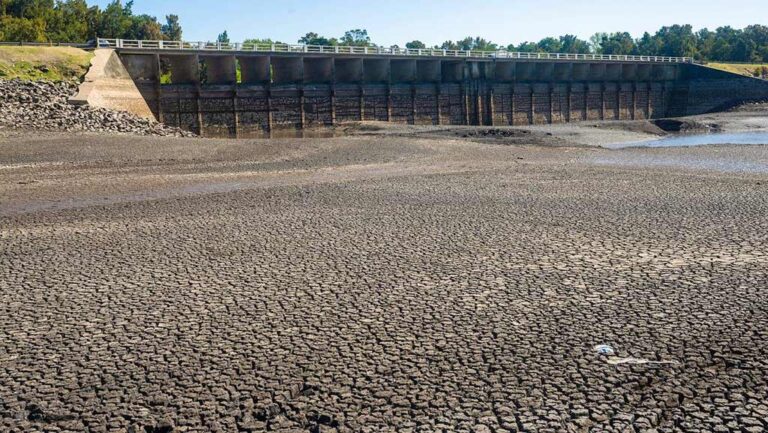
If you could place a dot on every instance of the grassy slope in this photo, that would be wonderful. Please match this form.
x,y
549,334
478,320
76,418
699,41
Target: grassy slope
x,y
43,63
737,68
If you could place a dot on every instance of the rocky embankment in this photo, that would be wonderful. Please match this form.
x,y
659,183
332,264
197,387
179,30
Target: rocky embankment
x,y
43,105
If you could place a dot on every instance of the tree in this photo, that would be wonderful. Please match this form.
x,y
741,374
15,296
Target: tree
x,y
223,38
315,39
524,47
172,29
573,45
356,38
617,43
550,45
415,45
69,22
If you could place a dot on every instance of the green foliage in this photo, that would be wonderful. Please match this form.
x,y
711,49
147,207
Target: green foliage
x,y
172,29
257,41
415,45
223,38
312,38
356,38
75,21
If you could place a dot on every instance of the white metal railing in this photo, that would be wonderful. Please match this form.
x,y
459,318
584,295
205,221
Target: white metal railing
x,y
394,51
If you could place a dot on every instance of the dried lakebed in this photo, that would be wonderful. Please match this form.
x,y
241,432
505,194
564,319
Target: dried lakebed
x,y
373,284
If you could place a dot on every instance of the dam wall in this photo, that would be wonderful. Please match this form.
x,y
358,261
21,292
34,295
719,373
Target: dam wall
x,y
244,94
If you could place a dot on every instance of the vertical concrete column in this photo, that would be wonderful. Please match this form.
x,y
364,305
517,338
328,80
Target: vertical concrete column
x,y
480,108
465,103
270,120
333,103
158,93
236,112
362,102
389,90
302,103
491,105
551,102
512,105
602,100
634,101
568,102
649,87
438,103
618,101
532,111
664,98
413,103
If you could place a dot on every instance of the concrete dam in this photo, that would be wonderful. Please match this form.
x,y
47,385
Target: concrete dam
x,y
242,91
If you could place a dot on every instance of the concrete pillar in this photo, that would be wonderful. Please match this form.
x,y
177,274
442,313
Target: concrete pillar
x,y
551,102
438,103
302,104
158,92
512,105
389,102
491,105
648,101
220,69
532,112
254,70
586,102
602,100
634,101
318,70
465,103
270,120
362,103
236,113
568,102
333,104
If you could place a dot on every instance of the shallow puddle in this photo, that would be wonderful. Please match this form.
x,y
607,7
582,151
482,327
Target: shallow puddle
x,y
699,140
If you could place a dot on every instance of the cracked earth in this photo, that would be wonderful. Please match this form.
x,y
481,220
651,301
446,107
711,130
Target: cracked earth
x,y
378,284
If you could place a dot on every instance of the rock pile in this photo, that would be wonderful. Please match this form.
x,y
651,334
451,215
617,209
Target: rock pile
x,y
43,105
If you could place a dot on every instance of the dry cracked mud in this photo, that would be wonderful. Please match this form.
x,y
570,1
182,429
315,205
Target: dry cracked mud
x,y
378,284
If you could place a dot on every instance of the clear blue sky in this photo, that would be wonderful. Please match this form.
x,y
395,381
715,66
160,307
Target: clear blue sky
x,y
433,21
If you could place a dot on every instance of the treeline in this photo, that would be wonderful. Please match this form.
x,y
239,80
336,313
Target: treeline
x,y
724,44
75,21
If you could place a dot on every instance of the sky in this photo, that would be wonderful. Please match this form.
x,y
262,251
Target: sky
x,y
392,22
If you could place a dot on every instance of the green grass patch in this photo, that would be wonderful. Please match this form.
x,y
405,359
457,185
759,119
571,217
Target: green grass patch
x,y
44,63
747,69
